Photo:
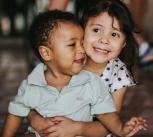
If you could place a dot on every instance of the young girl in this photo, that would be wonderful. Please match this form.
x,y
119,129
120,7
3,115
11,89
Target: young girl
x,y
108,42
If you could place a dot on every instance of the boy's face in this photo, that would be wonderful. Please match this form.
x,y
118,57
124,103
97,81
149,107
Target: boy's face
x,y
68,55
103,39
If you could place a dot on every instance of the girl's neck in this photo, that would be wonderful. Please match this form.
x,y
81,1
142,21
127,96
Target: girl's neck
x,y
94,67
56,79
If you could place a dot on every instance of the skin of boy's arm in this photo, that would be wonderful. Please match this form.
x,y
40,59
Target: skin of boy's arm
x,y
12,125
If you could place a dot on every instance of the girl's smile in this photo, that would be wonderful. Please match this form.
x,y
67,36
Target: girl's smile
x,y
103,38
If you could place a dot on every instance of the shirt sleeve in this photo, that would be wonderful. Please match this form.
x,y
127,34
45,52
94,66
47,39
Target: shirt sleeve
x,y
121,78
102,101
17,106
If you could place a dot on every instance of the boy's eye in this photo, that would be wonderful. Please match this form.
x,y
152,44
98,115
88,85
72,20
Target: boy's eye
x,y
71,45
114,34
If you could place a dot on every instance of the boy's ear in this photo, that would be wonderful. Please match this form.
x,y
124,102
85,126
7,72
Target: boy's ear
x,y
45,53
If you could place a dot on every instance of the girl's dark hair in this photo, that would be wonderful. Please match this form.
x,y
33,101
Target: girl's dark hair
x,y
44,26
118,10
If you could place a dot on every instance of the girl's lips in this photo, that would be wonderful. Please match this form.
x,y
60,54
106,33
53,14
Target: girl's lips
x,y
101,50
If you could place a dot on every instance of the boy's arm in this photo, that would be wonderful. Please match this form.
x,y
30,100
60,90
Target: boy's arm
x,y
11,126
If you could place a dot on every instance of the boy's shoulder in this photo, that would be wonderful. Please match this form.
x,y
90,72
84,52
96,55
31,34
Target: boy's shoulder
x,y
83,77
37,77
89,74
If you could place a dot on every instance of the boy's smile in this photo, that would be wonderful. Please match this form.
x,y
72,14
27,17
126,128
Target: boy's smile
x,y
68,55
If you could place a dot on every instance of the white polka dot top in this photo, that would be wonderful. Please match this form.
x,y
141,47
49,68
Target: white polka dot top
x,y
116,75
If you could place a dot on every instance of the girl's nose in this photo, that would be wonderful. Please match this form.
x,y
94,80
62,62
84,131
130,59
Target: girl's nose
x,y
103,39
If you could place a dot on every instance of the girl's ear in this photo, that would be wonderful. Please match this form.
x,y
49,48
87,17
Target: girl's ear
x,y
124,44
45,53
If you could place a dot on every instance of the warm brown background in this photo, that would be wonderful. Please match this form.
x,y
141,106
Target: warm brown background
x,y
15,59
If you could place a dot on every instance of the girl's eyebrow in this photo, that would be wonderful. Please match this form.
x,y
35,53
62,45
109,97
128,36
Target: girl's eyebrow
x,y
117,29
113,28
97,25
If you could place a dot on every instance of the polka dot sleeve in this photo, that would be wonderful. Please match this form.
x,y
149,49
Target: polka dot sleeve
x,y
116,75
121,78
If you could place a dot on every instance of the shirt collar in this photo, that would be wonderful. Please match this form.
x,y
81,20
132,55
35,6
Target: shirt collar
x,y
37,77
80,79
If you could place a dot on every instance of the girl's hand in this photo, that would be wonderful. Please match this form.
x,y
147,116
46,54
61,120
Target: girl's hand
x,y
38,122
64,127
134,125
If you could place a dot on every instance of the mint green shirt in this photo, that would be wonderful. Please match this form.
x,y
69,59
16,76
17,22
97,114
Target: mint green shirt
x,y
84,96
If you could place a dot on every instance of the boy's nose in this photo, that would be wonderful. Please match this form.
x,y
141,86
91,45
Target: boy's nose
x,y
81,49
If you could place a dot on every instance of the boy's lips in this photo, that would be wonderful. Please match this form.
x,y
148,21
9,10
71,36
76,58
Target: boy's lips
x,y
80,61
104,51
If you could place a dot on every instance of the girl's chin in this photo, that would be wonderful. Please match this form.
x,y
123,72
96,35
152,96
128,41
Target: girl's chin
x,y
100,61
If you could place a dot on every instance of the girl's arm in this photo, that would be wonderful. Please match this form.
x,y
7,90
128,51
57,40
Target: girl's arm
x,y
11,126
113,122
65,126
70,128
118,98
38,122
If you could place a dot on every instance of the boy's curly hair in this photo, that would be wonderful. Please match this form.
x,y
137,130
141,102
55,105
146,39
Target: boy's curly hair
x,y
44,26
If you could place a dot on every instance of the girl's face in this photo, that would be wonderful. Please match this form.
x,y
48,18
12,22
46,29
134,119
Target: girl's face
x,y
103,39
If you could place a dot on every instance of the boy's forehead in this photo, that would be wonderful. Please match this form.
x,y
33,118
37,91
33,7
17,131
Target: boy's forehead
x,y
67,30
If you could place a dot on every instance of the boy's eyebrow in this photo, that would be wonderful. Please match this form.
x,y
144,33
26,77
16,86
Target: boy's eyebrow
x,y
97,24
72,39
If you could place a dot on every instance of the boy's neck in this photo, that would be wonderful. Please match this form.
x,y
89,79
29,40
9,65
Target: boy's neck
x,y
57,80
94,67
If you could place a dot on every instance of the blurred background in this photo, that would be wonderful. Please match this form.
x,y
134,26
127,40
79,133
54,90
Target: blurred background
x,y
17,60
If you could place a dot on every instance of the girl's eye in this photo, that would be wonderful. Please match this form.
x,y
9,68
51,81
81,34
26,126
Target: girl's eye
x,y
96,30
114,34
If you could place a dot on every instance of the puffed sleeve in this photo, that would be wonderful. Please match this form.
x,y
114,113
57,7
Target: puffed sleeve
x,y
121,78
18,106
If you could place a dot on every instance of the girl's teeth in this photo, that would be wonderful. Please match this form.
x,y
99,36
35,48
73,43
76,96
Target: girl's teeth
x,y
101,50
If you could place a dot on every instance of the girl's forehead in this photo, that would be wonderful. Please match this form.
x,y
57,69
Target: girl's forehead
x,y
104,19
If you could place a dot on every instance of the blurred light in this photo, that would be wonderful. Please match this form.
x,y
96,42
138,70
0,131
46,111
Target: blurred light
x,y
19,22
5,25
